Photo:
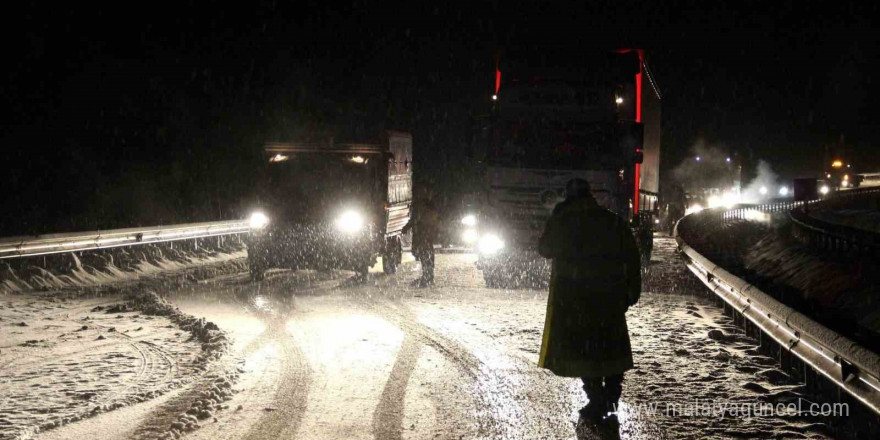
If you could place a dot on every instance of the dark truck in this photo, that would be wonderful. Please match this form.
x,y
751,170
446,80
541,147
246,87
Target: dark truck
x,y
333,206
590,116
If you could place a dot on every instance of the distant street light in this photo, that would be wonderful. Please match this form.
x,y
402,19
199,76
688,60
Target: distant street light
x,y
619,100
698,158
763,190
783,191
728,160
824,189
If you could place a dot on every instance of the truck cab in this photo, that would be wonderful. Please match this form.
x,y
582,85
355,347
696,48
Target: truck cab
x,y
332,206
598,120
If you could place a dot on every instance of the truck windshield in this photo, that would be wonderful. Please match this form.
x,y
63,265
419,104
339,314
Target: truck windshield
x,y
309,185
559,112
544,141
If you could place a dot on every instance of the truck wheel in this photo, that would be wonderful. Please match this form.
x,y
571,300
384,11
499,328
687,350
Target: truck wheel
x,y
392,257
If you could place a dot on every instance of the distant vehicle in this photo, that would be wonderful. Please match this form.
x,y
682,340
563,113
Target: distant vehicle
x,y
841,174
870,179
599,121
460,220
805,189
334,206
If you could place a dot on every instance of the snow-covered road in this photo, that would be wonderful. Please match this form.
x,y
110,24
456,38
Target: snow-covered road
x,y
325,358
67,359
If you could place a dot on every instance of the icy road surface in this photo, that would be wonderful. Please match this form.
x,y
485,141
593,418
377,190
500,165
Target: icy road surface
x,y
324,358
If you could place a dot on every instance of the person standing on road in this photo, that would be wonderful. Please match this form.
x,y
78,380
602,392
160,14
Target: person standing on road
x,y
596,277
425,224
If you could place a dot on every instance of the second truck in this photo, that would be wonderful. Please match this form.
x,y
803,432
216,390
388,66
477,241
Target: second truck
x,y
550,122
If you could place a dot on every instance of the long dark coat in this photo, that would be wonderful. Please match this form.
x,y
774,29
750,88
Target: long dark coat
x,y
425,224
596,276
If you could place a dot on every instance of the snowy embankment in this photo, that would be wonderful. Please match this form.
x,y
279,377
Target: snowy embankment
x,y
833,289
82,339
836,290
862,219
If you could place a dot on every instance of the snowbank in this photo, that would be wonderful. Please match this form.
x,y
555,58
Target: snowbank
x,y
95,268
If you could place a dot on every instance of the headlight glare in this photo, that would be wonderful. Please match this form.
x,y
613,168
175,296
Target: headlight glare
x,y
258,220
469,236
469,220
350,221
490,244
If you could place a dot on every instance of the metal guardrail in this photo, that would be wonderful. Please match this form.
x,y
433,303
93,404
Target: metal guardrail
x,y
18,247
744,211
852,367
826,235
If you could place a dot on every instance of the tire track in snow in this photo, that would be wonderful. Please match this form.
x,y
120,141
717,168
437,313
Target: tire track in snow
x,y
289,401
292,395
388,416
498,410
117,386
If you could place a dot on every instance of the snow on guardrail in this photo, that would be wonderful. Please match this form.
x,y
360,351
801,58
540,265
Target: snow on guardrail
x,y
28,246
850,366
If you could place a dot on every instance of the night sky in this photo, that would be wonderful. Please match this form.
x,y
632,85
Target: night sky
x,y
150,113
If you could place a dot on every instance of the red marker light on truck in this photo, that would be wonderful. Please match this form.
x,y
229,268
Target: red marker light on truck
x,y
639,97
638,171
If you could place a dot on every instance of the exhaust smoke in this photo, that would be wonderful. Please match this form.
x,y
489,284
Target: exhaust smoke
x,y
763,187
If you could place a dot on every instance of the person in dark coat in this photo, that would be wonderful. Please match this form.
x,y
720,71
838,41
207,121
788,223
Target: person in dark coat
x,y
425,224
595,278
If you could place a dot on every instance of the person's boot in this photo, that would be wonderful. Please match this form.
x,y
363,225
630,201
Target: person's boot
x,y
593,412
595,409
609,427
611,392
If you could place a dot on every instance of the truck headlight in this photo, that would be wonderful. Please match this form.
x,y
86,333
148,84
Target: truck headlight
x,y
350,221
258,220
469,220
490,244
